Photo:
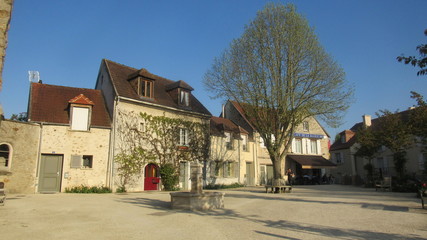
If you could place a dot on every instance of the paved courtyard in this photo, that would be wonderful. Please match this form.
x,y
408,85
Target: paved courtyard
x,y
309,212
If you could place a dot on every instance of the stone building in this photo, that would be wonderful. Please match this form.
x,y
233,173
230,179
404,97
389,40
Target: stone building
x,y
128,92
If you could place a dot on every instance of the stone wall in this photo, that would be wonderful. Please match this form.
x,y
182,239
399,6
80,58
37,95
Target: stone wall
x,y
61,140
5,15
23,139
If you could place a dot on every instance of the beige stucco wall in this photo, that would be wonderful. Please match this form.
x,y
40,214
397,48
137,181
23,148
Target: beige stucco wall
x,y
63,141
20,176
136,108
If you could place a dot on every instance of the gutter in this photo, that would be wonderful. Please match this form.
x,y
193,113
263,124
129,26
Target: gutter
x,y
164,107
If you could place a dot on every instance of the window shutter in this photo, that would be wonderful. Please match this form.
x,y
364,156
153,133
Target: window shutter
x,y
304,146
293,150
76,161
319,149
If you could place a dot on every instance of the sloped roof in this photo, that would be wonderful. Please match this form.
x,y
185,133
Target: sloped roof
x,y
311,162
81,99
219,125
50,104
350,140
239,108
120,74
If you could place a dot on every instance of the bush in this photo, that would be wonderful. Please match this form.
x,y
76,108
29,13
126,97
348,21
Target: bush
x,y
222,186
169,177
87,189
121,189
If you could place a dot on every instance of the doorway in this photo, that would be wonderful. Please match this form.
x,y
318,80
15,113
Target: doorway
x,y
50,173
151,178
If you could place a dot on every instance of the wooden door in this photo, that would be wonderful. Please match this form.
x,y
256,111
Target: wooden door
x,y
151,178
50,173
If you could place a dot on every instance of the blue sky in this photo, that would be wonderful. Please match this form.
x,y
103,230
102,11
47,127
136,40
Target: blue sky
x,y
66,40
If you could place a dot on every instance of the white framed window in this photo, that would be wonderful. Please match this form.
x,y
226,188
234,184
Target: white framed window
x,y
305,126
5,155
183,137
313,146
80,118
229,169
261,142
298,145
245,146
184,98
228,140
141,126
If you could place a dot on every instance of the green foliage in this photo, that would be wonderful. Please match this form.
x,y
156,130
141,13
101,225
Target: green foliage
x,y
121,189
130,165
222,186
87,189
169,177
280,75
420,62
22,117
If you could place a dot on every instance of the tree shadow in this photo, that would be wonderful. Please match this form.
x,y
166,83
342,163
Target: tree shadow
x,y
164,209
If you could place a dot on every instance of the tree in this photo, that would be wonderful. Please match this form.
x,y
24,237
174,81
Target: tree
x,y
280,75
144,138
420,62
368,148
22,117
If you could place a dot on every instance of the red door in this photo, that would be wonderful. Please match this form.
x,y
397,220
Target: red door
x,y
151,180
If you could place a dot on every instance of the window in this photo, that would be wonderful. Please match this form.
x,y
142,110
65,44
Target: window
x,y
4,155
313,146
338,158
228,141
298,145
146,88
229,168
87,161
245,143
305,126
183,137
80,118
215,169
81,161
184,98
261,142
141,127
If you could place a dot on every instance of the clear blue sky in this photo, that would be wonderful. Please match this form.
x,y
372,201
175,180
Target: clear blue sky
x,y
66,40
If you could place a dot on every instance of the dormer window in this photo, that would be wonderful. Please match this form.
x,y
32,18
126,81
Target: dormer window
x,y
80,118
184,98
80,113
146,88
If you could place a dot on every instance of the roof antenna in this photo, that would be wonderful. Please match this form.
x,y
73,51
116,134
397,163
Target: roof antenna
x,y
34,76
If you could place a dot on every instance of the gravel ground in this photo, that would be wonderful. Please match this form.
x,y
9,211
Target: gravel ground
x,y
309,212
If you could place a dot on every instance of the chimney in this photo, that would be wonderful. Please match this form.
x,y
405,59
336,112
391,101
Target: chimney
x,y
366,120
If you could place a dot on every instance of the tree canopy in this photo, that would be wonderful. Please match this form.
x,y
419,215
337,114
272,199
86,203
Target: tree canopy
x,y
420,62
280,75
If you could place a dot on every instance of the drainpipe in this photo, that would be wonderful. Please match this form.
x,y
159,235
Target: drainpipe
x,y
39,153
110,174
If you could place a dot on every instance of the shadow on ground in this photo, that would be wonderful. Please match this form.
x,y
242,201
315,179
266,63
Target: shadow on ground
x,y
164,209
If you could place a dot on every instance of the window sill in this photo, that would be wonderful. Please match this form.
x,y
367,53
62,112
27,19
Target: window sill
x,y
5,172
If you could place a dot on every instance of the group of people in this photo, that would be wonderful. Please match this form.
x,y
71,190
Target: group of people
x,y
308,179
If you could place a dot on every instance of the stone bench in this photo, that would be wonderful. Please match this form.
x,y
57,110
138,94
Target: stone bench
x,y
277,188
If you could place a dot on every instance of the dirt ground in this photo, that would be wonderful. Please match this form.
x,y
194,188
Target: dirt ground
x,y
309,212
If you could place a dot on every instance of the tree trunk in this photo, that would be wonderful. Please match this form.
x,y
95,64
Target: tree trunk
x,y
278,169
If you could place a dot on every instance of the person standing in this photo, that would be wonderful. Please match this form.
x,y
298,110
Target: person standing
x,y
291,175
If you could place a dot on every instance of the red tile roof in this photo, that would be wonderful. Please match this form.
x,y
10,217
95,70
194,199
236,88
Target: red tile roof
x,y
120,74
81,99
219,125
50,104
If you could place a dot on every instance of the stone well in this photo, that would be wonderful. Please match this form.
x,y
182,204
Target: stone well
x,y
196,199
